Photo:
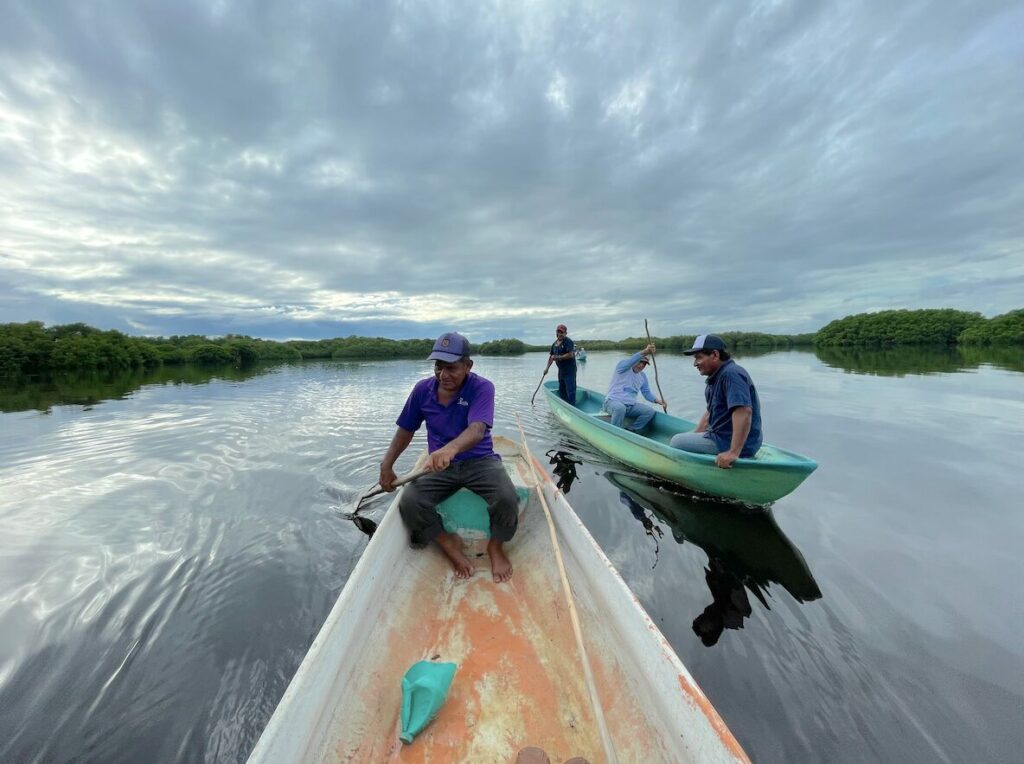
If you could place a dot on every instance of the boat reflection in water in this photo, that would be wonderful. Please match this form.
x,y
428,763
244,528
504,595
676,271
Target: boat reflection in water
x,y
564,468
746,550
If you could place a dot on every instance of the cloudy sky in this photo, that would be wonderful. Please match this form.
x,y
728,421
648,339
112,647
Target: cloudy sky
x,y
320,168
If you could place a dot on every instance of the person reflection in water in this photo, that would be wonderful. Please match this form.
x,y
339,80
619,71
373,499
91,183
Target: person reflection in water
x,y
652,530
729,608
564,469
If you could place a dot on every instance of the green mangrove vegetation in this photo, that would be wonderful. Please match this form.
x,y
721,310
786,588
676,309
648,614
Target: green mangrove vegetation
x,y
33,348
898,327
935,327
1007,329
680,342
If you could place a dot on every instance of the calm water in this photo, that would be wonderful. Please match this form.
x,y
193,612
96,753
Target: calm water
x,y
172,544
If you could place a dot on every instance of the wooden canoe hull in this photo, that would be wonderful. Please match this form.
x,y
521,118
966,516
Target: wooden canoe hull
x,y
519,680
767,477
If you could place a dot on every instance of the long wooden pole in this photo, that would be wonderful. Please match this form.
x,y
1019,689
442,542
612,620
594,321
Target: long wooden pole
x,y
664,403
541,382
595,700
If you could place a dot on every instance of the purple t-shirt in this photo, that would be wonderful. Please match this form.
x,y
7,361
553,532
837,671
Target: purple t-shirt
x,y
473,403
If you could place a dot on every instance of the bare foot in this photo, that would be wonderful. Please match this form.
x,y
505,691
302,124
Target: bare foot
x,y
500,566
451,544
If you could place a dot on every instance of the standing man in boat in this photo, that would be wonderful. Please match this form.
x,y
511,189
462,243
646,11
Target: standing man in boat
x,y
563,354
731,424
628,380
458,408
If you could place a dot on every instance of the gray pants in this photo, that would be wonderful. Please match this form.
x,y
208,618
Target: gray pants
x,y
697,442
484,477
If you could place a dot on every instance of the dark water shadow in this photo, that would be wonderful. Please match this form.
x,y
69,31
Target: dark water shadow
x,y
747,551
89,388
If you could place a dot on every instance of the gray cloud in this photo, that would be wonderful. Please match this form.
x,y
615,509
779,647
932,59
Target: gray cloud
x,y
396,168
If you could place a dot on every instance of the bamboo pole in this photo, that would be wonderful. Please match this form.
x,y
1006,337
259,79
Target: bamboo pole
x,y
595,700
664,403
541,382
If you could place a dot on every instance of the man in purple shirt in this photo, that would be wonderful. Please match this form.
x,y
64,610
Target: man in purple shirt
x,y
458,408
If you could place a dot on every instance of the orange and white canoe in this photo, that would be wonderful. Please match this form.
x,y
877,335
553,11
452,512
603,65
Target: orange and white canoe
x,y
521,679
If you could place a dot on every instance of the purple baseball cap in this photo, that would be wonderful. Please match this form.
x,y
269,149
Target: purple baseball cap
x,y
450,347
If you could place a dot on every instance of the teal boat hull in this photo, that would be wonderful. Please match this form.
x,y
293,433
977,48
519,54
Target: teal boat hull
x,y
768,476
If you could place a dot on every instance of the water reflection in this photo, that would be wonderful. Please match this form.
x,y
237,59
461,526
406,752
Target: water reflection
x,y
746,550
564,468
88,388
647,521
898,362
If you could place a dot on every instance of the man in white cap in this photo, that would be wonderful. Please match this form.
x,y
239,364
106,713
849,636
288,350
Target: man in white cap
x,y
458,408
731,424
628,380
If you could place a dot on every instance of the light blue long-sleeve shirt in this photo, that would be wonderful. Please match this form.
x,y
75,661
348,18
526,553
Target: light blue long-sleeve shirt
x,y
626,383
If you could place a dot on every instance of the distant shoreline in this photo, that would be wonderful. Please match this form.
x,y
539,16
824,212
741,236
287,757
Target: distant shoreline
x,y
33,347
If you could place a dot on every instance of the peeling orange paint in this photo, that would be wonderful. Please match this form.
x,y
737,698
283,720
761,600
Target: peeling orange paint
x,y
519,680
724,734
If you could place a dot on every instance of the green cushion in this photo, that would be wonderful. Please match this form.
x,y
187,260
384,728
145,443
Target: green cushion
x,y
466,511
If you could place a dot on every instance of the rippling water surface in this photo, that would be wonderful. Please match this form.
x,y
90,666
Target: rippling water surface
x,y
173,542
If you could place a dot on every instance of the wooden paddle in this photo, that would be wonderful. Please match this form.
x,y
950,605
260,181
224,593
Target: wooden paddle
x,y
654,363
541,382
376,490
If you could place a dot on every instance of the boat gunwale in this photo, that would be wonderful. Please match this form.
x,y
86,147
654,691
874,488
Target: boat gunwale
x,y
687,684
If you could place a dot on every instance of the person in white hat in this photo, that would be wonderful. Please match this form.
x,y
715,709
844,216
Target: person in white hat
x,y
731,425
628,380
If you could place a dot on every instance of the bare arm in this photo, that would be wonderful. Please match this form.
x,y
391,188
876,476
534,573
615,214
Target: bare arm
x,y
741,418
399,443
702,426
466,439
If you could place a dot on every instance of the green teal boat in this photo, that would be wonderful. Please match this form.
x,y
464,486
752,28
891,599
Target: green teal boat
x,y
766,477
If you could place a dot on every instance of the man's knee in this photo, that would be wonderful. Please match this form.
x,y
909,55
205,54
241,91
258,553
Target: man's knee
x,y
508,499
408,502
617,411
694,442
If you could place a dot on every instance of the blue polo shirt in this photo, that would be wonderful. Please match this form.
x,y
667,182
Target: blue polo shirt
x,y
560,348
730,386
473,403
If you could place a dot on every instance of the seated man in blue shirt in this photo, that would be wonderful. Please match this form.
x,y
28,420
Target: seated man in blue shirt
x,y
628,380
731,424
458,408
